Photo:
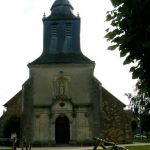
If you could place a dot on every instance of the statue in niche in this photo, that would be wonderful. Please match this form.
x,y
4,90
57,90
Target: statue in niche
x,y
61,86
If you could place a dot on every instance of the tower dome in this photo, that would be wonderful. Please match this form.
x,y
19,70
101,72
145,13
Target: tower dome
x,y
62,8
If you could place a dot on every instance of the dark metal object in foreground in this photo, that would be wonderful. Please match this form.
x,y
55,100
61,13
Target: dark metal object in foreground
x,y
102,143
23,144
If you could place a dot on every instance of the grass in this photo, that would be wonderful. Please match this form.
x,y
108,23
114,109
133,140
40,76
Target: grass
x,y
143,147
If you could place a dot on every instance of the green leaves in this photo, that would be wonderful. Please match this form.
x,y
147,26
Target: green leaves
x,y
128,60
113,47
132,69
110,35
130,33
116,2
123,52
108,17
135,74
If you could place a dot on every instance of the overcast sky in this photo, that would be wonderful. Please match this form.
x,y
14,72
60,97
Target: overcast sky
x,y
21,36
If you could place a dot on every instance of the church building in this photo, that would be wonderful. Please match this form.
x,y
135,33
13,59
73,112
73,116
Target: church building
x,y
62,102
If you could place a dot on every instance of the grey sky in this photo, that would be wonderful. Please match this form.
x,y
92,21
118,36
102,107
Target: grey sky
x,y
21,36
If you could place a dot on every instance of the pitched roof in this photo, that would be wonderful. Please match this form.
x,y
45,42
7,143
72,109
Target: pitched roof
x,y
107,95
13,99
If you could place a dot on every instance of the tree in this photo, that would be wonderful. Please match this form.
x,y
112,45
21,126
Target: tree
x,y
134,125
140,106
130,33
145,123
12,125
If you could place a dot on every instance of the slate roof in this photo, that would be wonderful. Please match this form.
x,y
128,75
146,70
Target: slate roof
x,y
61,9
13,100
62,59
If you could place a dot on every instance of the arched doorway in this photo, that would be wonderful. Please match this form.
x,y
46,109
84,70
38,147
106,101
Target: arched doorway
x,y
62,130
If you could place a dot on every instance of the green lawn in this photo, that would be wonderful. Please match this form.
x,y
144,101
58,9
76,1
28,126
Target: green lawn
x,y
146,147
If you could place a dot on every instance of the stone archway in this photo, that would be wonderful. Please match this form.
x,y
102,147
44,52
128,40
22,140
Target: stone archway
x,y
62,130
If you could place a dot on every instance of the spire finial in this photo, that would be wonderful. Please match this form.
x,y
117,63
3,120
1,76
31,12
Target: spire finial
x,y
44,15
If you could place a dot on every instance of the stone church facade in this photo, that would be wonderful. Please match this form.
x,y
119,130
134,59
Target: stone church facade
x,y
62,101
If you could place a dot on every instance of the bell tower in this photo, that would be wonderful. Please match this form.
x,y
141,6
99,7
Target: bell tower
x,y
61,30
61,36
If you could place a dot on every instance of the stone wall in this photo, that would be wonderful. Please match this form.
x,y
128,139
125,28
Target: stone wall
x,y
116,121
77,75
42,102
27,110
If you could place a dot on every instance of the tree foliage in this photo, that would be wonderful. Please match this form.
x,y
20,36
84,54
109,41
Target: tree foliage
x,y
12,125
140,106
130,33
